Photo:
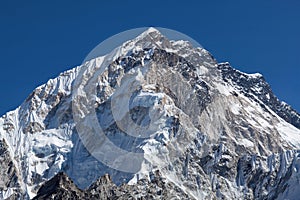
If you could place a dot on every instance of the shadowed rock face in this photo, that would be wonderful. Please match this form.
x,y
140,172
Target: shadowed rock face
x,y
213,132
59,187
8,173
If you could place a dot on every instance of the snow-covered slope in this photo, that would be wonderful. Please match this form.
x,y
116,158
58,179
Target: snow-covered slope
x,y
162,106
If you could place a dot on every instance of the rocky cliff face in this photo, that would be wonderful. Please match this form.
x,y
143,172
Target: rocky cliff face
x,y
61,187
164,119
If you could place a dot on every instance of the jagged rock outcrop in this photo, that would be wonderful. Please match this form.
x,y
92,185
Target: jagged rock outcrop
x,y
61,187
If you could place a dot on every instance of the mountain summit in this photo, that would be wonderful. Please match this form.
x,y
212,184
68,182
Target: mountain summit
x,y
153,119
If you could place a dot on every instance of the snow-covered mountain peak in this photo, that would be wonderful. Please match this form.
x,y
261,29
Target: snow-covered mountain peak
x,y
152,112
149,31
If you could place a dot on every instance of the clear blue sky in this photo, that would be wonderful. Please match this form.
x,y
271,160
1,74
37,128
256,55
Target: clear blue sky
x,y
40,40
